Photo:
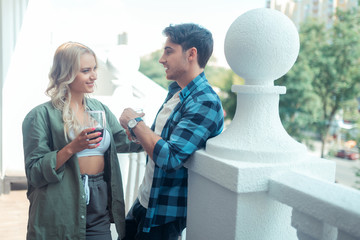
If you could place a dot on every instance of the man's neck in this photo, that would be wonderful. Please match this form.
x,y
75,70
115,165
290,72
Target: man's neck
x,y
189,77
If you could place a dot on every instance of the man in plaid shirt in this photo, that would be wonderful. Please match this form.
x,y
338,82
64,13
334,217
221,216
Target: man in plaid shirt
x,y
191,114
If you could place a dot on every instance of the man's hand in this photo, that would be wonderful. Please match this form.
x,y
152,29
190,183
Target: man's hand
x,y
144,134
128,114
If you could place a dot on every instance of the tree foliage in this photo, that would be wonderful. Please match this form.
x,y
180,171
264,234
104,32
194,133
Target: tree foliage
x,y
150,66
325,77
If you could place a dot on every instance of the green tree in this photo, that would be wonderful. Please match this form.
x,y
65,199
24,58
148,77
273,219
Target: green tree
x,y
337,78
325,77
297,106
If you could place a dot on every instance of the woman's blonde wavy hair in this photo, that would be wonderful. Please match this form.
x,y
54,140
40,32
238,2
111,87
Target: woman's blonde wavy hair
x,y
66,65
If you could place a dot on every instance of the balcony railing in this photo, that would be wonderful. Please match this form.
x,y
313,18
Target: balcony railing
x,y
332,213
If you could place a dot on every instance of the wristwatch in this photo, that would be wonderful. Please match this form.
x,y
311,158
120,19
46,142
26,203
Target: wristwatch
x,y
132,124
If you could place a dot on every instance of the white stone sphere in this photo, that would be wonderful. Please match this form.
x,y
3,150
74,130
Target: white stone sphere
x,y
261,46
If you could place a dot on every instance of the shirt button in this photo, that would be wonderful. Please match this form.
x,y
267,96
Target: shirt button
x,y
83,196
82,216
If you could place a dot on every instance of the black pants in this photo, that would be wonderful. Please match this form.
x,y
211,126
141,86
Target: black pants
x,y
135,221
97,214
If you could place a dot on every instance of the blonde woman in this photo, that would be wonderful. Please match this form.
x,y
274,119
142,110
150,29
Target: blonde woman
x,y
74,180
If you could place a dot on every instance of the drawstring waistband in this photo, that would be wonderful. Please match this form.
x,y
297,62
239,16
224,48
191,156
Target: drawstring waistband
x,y
92,178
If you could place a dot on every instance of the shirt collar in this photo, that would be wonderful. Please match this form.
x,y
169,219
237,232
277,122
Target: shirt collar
x,y
186,91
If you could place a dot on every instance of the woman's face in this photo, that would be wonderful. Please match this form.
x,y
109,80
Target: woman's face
x,y
85,79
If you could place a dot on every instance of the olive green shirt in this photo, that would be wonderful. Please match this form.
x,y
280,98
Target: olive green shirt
x,y
57,199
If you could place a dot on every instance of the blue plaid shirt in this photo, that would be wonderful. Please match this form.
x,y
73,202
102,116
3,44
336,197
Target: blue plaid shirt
x,y
197,117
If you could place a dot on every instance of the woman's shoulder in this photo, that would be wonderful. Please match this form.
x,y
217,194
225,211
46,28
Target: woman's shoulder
x,y
40,111
46,106
44,109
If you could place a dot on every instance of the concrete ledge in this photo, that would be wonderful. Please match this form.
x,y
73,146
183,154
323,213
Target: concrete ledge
x,y
245,177
318,201
11,177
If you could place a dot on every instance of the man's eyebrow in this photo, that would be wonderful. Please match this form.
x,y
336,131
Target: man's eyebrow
x,y
166,48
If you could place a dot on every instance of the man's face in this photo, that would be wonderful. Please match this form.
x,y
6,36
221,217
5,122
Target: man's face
x,y
174,61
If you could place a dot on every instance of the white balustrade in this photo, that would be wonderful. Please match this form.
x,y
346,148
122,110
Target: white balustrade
x,y
136,170
330,214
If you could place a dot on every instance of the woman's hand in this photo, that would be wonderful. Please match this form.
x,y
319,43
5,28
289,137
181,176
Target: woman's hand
x,y
83,141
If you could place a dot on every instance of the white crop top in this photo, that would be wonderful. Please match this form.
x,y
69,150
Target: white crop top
x,y
100,150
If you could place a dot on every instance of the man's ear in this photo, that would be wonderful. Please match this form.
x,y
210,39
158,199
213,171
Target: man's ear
x,y
192,54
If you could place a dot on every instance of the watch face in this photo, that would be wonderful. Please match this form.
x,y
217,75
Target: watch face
x,y
132,123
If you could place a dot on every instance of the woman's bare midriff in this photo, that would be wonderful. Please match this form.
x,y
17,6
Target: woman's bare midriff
x,y
91,165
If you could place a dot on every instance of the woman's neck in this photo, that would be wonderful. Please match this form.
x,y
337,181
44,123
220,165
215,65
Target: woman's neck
x,y
77,103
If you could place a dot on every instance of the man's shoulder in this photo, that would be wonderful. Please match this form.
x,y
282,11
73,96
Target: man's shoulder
x,y
205,92
203,89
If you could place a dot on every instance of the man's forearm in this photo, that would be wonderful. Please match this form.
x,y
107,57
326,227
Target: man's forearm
x,y
147,137
144,134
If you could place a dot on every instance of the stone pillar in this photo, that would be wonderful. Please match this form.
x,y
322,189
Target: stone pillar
x,y
228,182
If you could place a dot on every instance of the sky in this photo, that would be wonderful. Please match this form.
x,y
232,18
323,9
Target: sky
x,y
148,21
96,21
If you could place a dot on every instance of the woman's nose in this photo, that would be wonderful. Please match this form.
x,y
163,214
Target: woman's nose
x,y
93,75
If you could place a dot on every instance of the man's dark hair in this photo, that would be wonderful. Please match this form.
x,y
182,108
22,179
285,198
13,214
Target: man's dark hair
x,y
190,35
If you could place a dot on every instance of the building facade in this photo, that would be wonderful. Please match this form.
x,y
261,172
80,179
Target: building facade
x,y
300,10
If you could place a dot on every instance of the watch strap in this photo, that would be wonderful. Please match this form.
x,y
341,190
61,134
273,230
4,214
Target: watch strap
x,y
138,119
132,132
